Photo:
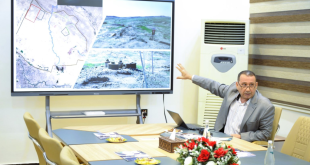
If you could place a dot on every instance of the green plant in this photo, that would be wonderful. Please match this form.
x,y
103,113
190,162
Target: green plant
x,y
146,29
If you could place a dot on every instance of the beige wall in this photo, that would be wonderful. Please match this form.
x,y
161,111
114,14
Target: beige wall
x,y
15,145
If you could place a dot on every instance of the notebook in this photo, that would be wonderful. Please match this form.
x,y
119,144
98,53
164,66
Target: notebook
x,y
180,122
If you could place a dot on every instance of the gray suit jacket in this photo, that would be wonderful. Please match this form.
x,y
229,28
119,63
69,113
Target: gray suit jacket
x,y
258,118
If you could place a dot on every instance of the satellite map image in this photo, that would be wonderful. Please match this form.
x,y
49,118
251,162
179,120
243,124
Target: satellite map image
x,y
52,42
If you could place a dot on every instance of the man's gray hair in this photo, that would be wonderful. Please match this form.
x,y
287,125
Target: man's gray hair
x,y
246,72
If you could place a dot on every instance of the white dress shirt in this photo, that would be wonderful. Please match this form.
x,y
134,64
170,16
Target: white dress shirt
x,y
235,116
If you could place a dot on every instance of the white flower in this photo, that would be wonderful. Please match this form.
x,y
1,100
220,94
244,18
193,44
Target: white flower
x,y
211,163
239,162
188,161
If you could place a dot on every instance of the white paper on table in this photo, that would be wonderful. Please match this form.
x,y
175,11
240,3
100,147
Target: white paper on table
x,y
190,136
241,154
106,135
132,155
218,140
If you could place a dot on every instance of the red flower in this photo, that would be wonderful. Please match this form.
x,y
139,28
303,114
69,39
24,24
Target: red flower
x,y
191,145
184,145
210,143
204,156
233,150
202,139
234,164
220,153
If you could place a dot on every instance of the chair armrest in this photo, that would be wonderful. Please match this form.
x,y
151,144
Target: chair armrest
x,y
261,143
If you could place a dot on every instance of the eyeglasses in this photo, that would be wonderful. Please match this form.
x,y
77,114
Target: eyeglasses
x,y
244,86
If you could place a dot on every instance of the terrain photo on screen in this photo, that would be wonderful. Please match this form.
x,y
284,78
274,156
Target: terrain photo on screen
x,y
124,69
149,32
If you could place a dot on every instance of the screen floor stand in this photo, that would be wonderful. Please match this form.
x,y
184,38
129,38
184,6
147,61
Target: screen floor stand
x,y
90,113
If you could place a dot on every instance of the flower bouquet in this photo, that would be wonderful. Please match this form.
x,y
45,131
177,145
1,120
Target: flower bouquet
x,y
205,152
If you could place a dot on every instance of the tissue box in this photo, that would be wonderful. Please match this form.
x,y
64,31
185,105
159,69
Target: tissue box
x,y
168,145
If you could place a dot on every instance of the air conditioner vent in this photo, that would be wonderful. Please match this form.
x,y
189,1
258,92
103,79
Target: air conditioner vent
x,y
224,33
211,108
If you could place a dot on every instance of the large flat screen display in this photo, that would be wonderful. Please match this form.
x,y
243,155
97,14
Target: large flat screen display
x,y
92,47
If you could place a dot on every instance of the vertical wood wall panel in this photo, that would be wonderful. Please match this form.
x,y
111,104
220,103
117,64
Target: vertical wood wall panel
x,y
281,72
290,97
285,27
280,49
280,5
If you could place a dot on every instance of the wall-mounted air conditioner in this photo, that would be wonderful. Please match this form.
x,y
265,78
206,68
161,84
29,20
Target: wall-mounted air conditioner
x,y
224,53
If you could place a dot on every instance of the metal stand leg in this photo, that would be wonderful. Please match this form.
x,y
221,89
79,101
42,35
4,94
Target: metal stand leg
x,y
139,118
48,116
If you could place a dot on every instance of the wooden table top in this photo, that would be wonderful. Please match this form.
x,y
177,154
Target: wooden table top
x,y
128,129
147,144
106,151
245,145
146,134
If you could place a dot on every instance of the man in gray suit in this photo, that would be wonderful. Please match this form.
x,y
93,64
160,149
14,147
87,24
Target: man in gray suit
x,y
244,113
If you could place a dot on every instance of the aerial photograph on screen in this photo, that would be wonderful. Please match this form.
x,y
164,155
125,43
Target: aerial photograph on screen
x,y
134,32
52,42
136,25
111,69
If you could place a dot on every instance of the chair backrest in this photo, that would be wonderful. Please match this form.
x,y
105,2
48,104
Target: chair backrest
x,y
51,146
297,143
67,157
33,129
277,115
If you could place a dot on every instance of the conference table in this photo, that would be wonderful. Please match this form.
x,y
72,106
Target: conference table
x,y
143,137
